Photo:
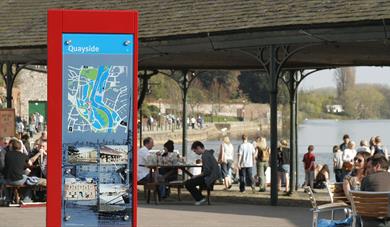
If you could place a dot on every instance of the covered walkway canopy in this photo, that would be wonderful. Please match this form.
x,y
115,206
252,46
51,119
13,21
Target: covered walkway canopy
x,y
213,34
224,34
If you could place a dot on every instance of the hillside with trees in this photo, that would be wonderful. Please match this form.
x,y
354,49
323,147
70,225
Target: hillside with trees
x,y
360,101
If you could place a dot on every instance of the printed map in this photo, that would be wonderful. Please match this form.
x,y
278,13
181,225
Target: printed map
x,y
98,98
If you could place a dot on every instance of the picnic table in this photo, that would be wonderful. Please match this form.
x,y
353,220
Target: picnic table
x,y
154,182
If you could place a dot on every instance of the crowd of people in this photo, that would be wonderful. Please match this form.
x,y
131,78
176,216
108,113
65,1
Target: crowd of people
x,y
226,166
22,164
364,168
170,122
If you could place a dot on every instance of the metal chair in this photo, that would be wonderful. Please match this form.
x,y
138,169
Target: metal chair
x,y
370,205
316,209
337,195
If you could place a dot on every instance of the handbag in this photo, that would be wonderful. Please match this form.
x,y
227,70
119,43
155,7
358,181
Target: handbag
x,y
347,166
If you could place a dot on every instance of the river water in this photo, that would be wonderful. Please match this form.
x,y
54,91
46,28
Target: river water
x,y
323,134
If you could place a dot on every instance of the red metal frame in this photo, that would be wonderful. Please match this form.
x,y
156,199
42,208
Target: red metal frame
x,y
80,21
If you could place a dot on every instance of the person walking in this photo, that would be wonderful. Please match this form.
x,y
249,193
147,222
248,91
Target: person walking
x,y
363,147
379,148
225,158
338,163
348,155
262,159
246,153
309,164
209,174
284,165
19,127
346,140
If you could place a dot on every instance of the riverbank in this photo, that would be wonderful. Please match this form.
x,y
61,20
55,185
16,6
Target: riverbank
x,y
211,131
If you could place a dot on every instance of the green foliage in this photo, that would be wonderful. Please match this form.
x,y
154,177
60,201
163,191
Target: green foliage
x,y
163,87
213,118
195,96
364,102
150,110
221,85
254,85
313,103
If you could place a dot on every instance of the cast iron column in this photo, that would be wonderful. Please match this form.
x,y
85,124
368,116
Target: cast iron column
x,y
273,76
145,76
273,62
184,115
296,141
293,151
9,78
292,81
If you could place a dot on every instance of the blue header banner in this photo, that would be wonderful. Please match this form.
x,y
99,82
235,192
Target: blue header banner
x,y
97,44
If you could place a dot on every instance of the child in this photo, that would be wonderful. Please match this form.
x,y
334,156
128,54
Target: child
x,y
308,160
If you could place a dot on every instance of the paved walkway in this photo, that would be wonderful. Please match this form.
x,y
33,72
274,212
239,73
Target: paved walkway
x,y
183,214
229,208
186,214
22,217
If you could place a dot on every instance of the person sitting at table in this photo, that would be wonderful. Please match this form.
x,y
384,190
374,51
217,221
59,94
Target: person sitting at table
x,y
377,180
16,167
378,177
143,174
353,180
210,173
169,173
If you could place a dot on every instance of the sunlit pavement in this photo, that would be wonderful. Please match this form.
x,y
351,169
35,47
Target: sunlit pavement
x,y
185,214
22,217
227,209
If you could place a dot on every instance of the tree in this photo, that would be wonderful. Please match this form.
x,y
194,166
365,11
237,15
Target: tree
x,y
222,85
359,105
195,98
345,80
254,85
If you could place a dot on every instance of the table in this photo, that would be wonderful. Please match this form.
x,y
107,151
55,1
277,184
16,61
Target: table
x,y
183,168
154,168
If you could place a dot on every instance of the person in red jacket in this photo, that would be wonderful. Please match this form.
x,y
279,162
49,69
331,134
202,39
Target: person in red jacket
x,y
309,163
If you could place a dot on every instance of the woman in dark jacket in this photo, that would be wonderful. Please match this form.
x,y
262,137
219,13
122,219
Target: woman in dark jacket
x,y
170,173
283,165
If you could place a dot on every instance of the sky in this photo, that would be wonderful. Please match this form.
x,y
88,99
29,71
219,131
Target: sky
x,y
325,78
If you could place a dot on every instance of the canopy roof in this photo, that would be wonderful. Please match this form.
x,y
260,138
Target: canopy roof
x,y
220,34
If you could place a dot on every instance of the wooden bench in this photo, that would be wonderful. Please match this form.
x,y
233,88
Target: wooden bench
x,y
178,184
370,205
16,190
149,188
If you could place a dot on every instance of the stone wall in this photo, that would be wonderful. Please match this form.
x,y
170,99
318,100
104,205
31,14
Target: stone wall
x,y
32,87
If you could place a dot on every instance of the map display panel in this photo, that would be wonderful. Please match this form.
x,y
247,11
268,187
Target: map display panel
x,y
98,98
97,119
97,86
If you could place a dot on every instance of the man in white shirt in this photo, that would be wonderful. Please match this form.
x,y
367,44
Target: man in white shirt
x,y
143,172
246,157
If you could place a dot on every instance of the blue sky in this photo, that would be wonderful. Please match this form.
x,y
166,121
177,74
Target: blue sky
x,y
325,78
